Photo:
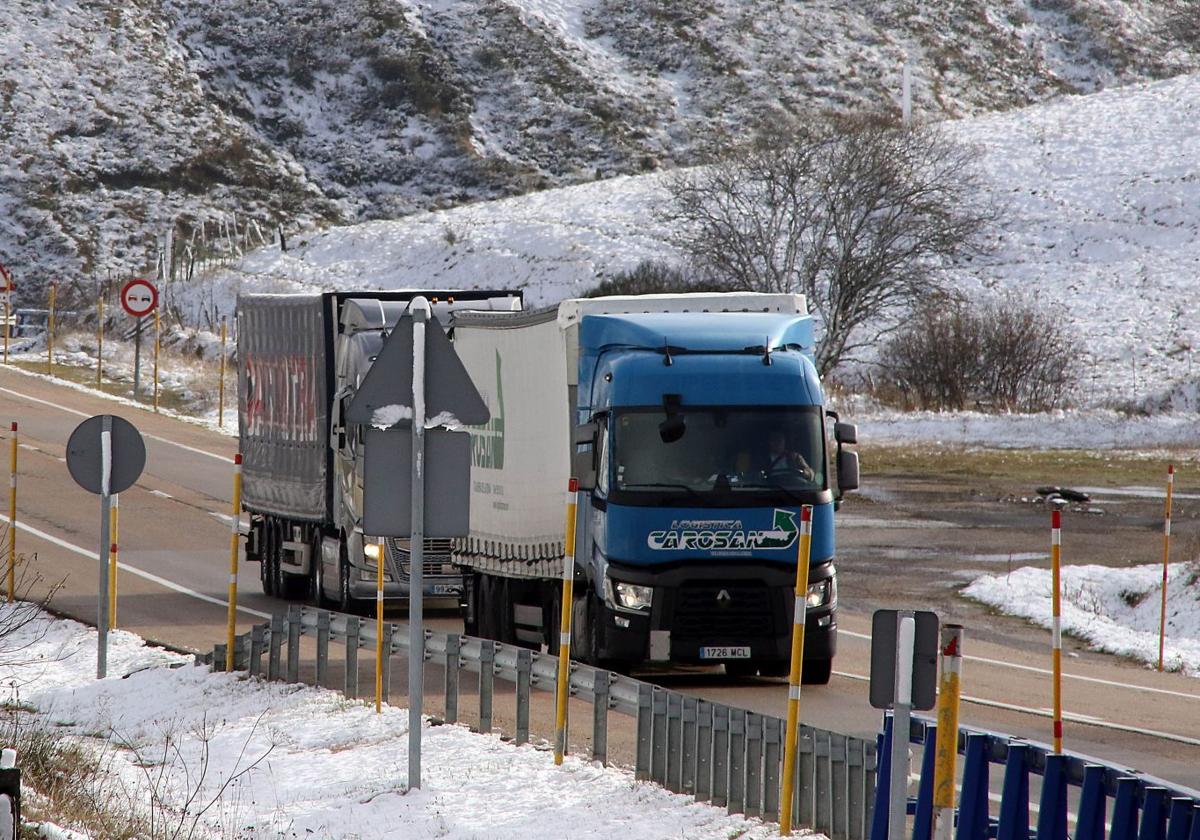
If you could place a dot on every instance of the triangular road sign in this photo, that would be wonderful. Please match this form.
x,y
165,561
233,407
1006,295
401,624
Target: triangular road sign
x,y
448,387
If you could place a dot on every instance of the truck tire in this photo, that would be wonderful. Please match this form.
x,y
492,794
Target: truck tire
x,y
817,671
345,603
316,577
591,637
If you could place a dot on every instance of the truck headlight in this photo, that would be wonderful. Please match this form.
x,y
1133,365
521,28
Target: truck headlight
x,y
633,596
822,592
371,554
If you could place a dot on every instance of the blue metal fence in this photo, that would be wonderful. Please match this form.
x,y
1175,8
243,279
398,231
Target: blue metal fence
x,y
1143,807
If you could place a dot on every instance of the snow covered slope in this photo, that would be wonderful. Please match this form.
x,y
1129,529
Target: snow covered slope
x,y
125,120
1102,223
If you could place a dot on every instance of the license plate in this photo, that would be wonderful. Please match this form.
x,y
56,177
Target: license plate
x,y
445,589
725,652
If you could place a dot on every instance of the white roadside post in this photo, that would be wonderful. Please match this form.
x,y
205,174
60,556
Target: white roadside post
x,y
901,715
416,625
105,542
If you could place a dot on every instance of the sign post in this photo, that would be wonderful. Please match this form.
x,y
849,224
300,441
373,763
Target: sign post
x,y
416,374
105,455
138,298
904,649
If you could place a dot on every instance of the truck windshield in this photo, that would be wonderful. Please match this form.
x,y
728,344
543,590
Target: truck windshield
x,y
721,456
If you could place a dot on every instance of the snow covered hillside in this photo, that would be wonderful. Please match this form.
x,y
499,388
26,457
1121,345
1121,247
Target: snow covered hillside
x,y
1102,224
126,120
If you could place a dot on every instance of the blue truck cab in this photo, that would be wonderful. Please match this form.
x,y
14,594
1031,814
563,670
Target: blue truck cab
x,y
701,435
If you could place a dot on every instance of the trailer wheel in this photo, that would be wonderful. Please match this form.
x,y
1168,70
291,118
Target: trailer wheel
x,y
266,571
471,613
278,585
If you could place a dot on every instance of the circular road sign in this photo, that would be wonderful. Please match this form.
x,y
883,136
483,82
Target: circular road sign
x,y
85,454
139,297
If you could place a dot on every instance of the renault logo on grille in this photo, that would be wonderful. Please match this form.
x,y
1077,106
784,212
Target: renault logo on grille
x,y
723,597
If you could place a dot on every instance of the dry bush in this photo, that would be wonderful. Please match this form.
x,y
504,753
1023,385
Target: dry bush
x,y
652,277
1007,355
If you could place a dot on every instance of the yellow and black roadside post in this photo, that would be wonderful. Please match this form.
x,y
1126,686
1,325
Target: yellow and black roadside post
x,y
1162,621
946,748
50,330
99,337
795,674
6,291
12,514
564,634
233,560
221,384
114,532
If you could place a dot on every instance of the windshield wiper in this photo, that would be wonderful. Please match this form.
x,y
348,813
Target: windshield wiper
x,y
691,490
775,485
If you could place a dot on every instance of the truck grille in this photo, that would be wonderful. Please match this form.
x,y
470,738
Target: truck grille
x,y
436,563
701,611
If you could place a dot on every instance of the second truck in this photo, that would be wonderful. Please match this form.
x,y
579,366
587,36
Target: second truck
x,y
697,426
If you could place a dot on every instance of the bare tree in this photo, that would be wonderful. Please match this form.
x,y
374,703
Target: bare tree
x,y
858,214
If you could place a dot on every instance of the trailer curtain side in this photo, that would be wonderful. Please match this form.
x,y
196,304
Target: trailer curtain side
x,y
283,404
520,461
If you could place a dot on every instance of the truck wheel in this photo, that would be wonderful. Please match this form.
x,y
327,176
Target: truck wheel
x,y
817,671
346,603
316,578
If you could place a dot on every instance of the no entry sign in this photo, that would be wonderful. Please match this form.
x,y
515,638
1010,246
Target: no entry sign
x,y
139,298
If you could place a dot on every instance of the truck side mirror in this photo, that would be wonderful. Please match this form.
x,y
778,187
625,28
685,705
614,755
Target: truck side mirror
x,y
583,464
847,471
845,433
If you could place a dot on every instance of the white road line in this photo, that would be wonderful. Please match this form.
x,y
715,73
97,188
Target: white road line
x,y
161,494
78,413
161,581
1046,713
1047,672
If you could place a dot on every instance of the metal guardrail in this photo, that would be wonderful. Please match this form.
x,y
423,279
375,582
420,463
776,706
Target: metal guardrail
x,y
731,757
727,756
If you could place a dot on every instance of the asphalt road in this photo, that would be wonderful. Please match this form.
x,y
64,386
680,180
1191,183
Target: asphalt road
x,y
174,551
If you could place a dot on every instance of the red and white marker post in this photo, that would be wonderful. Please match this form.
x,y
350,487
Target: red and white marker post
x,y
1056,626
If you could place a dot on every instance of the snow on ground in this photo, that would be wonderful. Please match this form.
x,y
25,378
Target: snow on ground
x,y
1113,609
1076,429
1101,223
332,767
